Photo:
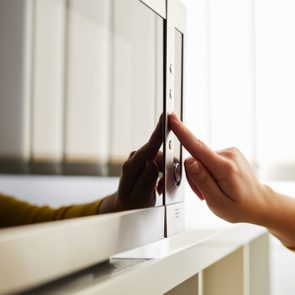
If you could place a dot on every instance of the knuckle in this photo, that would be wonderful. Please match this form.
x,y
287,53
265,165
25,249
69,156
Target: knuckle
x,y
234,149
221,153
230,153
233,153
230,167
131,154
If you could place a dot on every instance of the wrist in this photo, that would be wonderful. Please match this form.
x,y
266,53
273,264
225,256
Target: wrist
x,y
272,211
118,204
110,204
264,216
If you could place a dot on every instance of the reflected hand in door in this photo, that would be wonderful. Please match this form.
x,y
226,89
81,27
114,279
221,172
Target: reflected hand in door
x,y
139,178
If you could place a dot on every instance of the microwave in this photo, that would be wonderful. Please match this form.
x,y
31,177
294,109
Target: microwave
x,y
84,83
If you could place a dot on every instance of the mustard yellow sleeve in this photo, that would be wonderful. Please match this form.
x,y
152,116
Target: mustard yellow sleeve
x,y
15,212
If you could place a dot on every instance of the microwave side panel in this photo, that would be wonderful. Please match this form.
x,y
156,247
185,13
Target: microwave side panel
x,y
174,99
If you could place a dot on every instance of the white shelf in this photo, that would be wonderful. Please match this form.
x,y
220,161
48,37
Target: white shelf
x,y
227,261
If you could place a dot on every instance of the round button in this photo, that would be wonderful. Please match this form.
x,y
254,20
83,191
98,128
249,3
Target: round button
x,y
177,173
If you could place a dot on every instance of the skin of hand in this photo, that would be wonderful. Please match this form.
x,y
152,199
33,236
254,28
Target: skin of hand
x,y
225,180
139,177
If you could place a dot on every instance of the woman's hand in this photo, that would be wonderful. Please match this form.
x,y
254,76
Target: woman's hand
x,y
229,186
224,179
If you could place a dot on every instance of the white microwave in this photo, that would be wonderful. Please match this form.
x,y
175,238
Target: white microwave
x,y
85,82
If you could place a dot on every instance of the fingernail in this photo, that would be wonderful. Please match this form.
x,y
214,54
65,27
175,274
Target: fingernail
x,y
194,167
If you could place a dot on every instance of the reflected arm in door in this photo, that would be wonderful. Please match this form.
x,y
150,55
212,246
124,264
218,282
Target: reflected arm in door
x,y
137,189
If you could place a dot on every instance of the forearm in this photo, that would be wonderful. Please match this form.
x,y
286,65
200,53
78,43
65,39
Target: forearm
x,y
280,217
14,212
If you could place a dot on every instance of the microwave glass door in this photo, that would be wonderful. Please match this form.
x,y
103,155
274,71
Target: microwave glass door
x,y
95,76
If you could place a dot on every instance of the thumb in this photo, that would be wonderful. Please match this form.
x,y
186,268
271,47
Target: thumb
x,y
203,180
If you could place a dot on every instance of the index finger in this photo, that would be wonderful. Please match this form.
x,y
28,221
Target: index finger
x,y
150,150
194,146
137,160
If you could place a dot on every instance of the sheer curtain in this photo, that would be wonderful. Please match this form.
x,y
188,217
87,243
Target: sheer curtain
x,y
241,92
275,48
241,79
